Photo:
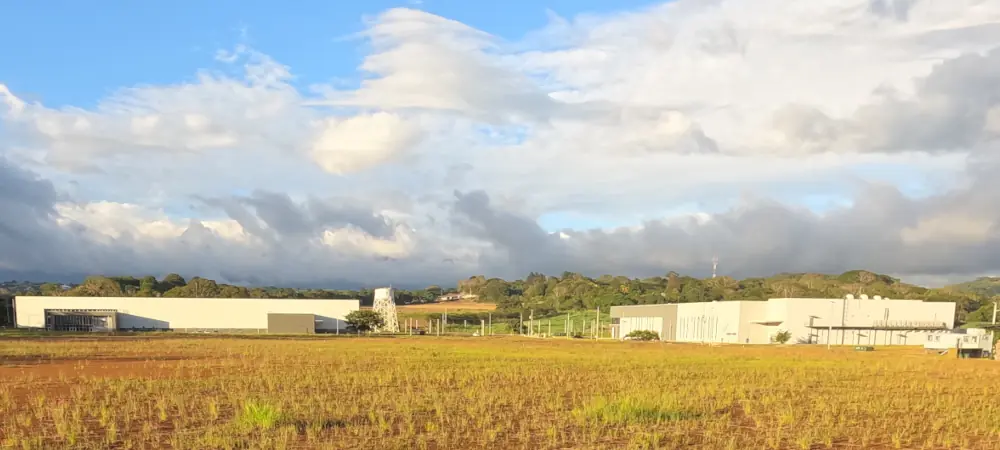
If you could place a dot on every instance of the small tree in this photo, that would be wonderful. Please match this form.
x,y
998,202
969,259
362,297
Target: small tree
x,y
643,335
364,320
783,336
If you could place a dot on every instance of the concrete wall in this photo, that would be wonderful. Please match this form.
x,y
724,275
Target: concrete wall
x,y
709,322
971,338
757,322
284,323
751,332
189,313
659,318
797,313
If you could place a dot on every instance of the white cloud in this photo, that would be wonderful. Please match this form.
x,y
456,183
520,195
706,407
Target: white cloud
x,y
362,142
742,111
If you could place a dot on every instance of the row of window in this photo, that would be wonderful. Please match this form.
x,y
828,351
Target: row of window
x,y
937,338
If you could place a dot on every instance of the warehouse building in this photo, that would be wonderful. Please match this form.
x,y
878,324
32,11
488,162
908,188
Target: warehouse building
x,y
183,314
658,318
838,321
6,310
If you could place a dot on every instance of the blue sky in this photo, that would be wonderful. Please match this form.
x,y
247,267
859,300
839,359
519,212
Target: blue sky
x,y
73,53
633,112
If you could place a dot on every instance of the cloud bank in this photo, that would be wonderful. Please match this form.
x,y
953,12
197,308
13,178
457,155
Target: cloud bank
x,y
815,136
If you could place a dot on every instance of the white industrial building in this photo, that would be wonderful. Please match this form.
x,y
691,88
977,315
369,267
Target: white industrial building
x,y
969,342
839,321
185,314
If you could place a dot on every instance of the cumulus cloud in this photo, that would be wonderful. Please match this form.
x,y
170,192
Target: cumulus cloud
x,y
362,142
951,234
953,109
425,62
815,136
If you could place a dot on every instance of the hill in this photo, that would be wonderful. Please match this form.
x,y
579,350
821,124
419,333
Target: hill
x,y
548,295
986,286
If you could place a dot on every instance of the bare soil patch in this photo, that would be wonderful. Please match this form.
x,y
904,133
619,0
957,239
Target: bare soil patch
x,y
450,306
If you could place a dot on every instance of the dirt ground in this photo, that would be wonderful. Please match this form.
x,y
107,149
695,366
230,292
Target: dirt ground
x,y
450,306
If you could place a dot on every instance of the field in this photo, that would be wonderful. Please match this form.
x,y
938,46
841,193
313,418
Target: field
x,y
496,392
440,307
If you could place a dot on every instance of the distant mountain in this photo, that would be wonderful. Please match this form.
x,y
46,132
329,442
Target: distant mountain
x,y
985,286
39,277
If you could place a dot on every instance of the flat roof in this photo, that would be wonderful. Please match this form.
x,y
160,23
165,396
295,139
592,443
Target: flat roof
x,y
81,312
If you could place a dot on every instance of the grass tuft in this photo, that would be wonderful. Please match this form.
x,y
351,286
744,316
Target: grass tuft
x,y
259,415
631,410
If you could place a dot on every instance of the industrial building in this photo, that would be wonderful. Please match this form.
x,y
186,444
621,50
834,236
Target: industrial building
x,y
183,314
6,310
659,318
838,321
967,343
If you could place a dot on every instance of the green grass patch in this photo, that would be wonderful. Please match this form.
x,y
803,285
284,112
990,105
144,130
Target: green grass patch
x,y
258,415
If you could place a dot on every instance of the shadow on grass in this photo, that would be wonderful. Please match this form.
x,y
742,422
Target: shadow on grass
x,y
322,425
33,360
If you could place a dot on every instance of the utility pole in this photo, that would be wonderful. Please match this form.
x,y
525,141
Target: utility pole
x,y
597,324
550,328
531,323
491,324
520,322
566,327
829,331
993,330
483,324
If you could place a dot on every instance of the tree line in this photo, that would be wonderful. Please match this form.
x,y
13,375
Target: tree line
x,y
550,295
547,295
174,285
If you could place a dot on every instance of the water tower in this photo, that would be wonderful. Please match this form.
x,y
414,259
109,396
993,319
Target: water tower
x,y
385,306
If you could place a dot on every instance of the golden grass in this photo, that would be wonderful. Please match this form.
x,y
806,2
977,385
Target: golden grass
x,y
451,306
498,393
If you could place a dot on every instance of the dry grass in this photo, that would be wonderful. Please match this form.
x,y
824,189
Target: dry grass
x,y
453,306
510,393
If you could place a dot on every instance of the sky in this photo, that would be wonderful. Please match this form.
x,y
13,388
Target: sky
x,y
342,144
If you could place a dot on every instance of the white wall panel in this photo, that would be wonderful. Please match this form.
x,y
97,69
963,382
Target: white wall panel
x,y
181,313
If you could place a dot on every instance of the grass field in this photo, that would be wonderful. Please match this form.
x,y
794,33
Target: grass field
x,y
498,393
455,306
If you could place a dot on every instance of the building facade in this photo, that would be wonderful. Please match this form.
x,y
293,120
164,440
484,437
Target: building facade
x,y
838,321
659,318
184,314
968,342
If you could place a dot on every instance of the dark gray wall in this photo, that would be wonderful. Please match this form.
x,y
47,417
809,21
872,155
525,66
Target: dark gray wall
x,y
668,312
291,323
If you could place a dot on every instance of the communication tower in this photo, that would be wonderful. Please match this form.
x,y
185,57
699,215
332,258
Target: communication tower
x,y
385,306
715,265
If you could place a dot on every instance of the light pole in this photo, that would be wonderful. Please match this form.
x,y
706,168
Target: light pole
x,y
993,330
829,331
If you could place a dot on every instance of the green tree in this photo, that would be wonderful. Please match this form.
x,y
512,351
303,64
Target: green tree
x,y
171,281
364,320
51,289
97,286
783,336
147,287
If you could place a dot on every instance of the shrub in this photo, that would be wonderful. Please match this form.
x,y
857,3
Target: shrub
x,y
259,415
364,320
783,336
643,335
